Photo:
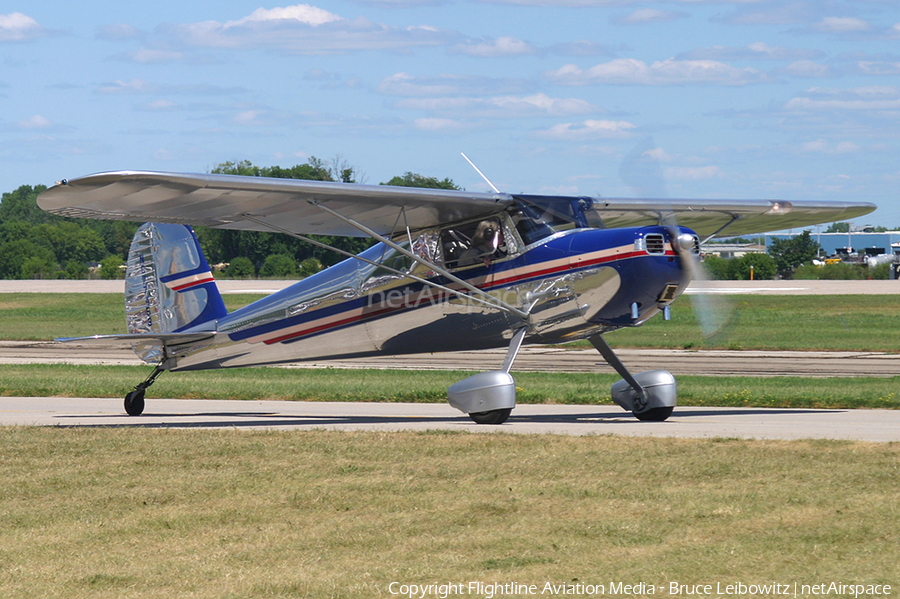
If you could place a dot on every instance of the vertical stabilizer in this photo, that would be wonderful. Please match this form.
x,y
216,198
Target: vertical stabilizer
x,y
169,287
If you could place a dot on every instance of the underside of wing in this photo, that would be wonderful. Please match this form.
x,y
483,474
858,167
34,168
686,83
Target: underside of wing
x,y
729,217
264,204
254,203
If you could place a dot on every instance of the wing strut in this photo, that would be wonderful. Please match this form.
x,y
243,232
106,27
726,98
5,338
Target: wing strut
x,y
481,297
485,297
734,218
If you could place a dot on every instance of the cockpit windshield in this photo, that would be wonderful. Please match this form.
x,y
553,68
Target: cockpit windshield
x,y
539,217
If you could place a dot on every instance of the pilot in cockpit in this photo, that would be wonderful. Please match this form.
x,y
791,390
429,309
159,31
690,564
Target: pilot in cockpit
x,y
485,242
462,250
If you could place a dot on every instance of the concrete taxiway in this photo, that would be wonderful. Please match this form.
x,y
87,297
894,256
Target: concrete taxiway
x,y
751,423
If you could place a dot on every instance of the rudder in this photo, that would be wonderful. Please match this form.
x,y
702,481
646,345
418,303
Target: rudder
x,y
169,286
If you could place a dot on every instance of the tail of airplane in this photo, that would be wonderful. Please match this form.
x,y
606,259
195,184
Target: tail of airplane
x,y
169,287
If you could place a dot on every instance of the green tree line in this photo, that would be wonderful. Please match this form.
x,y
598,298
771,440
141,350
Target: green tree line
x,y
35,244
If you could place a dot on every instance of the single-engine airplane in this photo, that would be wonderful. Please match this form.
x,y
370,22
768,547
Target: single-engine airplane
x,y
451,270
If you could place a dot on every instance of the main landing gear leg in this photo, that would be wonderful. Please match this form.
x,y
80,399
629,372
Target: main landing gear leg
x,y
134,401
650,395
489,397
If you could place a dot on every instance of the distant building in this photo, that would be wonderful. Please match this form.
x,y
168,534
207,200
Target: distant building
x,y
860,241
732,250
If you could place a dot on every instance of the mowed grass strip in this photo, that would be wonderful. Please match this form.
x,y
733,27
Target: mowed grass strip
x,y
46,316
772,322
331,384
109,513
844,322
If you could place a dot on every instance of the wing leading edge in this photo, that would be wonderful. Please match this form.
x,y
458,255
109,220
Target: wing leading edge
x,y
222,201
252,203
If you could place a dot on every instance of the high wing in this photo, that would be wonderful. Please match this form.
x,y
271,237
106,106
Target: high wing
x,y
732,217
226,202
259,204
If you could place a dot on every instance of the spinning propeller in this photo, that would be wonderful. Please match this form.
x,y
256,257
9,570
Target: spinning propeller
x,y
641,171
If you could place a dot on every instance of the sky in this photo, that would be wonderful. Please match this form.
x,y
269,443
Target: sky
x,y
786,99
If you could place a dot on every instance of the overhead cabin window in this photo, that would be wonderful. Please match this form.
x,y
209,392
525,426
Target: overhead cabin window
x,y
538,217
479,242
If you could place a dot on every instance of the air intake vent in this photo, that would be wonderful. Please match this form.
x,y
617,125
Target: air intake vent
x,y
696,248
655,244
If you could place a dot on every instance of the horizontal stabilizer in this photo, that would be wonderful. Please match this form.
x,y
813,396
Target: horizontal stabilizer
x,y
152,348
168,339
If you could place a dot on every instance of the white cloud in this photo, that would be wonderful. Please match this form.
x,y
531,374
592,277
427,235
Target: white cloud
x,y
35,122
692,173
629,71
305,29
503,106
141,87
841,25
820,146
18,27
858,99
658,154
590,129
303,13
148,56
404,84
161,105
648,15
248,117
869,67
807,68
440,125
502,46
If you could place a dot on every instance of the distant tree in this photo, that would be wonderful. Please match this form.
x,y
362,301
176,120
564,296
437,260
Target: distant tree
x,y
109,267
221,245
240,268
763,267
791,253
315,169
310,266
14,254
279,266
76,270
841,227
21,205
415,180
70,241
39,266
718,268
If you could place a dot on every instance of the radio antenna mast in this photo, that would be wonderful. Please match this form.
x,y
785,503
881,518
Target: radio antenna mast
x,y
478,170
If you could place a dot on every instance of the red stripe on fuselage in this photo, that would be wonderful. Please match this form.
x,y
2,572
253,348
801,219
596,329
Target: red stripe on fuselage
x,y
441,295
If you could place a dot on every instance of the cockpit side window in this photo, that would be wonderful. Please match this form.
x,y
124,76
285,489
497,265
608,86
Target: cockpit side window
x,y
539,217
479,242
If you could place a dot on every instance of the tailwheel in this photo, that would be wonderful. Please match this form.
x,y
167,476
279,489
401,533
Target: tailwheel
x,y
491,416
654,414
134,402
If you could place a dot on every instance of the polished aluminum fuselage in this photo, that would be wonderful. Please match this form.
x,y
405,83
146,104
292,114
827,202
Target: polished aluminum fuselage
x,y
572,284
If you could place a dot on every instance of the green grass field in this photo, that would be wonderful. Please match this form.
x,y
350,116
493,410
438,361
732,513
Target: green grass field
x,y
113,513
760,322
329,384
123,512
852,322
